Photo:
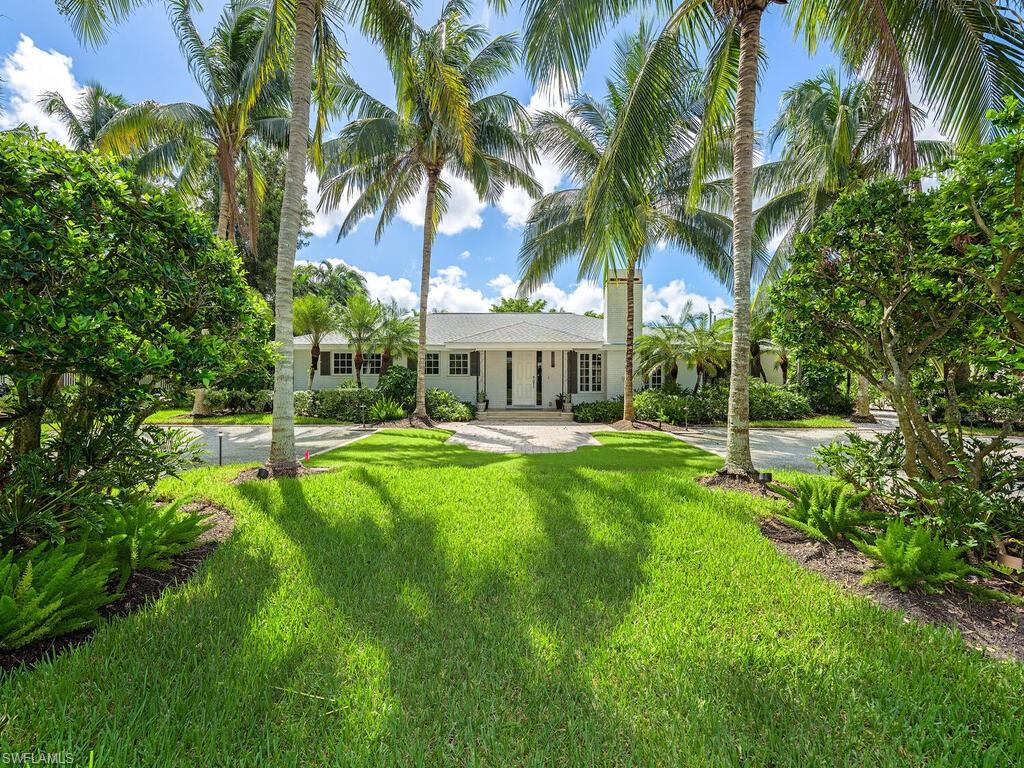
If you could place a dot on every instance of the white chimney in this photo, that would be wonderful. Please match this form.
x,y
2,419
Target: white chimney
x,y
615,306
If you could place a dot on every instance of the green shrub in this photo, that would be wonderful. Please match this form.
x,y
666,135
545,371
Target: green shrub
x,y
344,404
141,536
399,384
601,411
386,409
304,402
444,406
770,402
911,557
824,387
239,400
48,591
826,510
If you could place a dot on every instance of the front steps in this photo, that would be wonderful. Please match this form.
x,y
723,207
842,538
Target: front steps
x,y
524,415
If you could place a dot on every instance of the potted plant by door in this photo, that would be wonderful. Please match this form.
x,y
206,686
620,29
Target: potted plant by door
x,y
560,401
481,400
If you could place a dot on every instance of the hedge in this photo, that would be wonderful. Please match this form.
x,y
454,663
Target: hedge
x,y
710,405
353,405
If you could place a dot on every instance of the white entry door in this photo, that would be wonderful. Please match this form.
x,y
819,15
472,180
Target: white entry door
x,y
524,378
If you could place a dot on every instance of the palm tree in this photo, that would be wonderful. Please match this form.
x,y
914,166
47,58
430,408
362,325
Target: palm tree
x,y
360,322
660,348
398,335
241,109
315,316
86,121
649,215
958,54
334,280
446,121
834,137
705,345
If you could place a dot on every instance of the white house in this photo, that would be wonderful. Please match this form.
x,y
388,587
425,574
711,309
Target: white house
x,y
520,360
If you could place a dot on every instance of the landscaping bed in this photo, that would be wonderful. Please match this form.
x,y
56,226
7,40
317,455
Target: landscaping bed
x,y
142,587
991,626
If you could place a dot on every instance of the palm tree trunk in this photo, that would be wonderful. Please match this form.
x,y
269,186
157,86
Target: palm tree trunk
x,y
627,384
428,243
282,442
862,410
357,361
223,216
737,455
314,361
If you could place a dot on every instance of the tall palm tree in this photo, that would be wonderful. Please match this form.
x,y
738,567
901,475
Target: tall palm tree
x,y
398,335
88,118
964,55
834,137
446,121
296,30
360,322
241,108
651,215
315,316
336,281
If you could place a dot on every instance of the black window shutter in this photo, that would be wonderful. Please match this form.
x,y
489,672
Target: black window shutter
x,y
325,364
474,363
572,373
410,362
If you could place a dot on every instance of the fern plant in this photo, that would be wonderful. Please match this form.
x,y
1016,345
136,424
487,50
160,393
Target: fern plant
x,y
139,535
826,511
386,409
912,557
49,591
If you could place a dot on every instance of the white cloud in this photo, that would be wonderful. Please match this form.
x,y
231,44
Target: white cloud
x,y
464,207
327,221
515,202
671,299
464,255
384,287
448,294
30,72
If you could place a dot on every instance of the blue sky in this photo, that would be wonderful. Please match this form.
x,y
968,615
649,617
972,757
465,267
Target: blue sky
x,y
475,255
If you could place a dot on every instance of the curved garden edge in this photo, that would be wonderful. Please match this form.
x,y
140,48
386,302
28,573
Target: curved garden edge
x,y
144,587
993,627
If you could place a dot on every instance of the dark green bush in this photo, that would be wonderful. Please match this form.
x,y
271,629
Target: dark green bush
x,y
770,402
444,406
141,536
49,590
399,384
602,411
824,387
239,400
344,404
304,402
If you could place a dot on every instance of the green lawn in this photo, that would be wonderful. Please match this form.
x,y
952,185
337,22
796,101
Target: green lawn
x,y
814,422
428,605
183,416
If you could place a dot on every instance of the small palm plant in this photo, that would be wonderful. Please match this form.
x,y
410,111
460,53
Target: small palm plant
x,y
315,316
826,511
360,322
398,335
912,557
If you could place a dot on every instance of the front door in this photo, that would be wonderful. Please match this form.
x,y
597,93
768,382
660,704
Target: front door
x,y
524,378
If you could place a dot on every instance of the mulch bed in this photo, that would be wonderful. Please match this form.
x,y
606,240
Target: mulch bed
x,y
728,482
143,587
993,627
253,473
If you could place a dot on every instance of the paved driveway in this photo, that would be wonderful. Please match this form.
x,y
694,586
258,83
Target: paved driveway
x,y
245,445
524,438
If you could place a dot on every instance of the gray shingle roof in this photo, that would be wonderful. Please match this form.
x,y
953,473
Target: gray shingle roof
x,y
458,328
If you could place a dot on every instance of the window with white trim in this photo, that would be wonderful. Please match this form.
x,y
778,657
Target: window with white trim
x,y
656,379
458,364
589,373
432,363
371,363
341,365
